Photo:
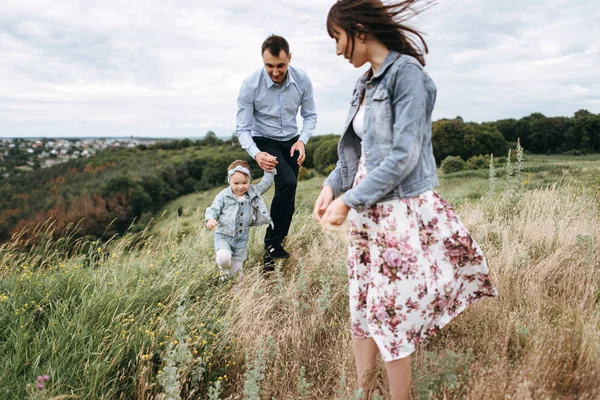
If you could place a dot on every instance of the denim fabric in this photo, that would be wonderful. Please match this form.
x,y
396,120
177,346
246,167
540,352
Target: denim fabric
x,y
269,111
237,245
225,208
397,144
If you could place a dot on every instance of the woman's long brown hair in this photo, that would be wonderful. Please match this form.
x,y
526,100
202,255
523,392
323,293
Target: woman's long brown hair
x,y
384,21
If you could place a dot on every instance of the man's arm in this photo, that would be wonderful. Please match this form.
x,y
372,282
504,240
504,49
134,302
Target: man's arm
x,y
245,117
308,111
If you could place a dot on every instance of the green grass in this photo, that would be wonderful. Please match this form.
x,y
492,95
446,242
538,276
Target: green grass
x,y
109,321
538,172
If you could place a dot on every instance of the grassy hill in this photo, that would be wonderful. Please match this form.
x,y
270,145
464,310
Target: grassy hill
x,y
145,316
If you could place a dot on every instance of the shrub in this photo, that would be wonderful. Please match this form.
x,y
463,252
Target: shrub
x,y
305,174
478,162
452,164
325,155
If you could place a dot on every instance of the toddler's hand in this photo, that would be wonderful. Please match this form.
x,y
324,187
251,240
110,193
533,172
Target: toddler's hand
x,y
211,224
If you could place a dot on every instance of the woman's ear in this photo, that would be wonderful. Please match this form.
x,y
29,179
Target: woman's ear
x,y
360,34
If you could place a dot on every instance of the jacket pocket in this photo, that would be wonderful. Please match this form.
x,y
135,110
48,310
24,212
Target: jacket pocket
x,y
380,115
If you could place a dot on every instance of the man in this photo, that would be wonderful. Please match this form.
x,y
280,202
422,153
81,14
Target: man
x,y
268,104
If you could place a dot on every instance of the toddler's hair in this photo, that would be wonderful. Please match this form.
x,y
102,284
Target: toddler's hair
x,y
237,163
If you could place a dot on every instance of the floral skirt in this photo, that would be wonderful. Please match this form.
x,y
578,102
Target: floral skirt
x,y
412,267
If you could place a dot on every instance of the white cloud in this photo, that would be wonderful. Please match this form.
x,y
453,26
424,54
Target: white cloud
x,y
74,68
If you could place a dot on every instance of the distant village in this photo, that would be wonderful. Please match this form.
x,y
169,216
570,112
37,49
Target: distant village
x,y
23,154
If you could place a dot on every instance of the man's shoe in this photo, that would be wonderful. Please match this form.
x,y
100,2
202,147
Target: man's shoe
x,y
268,264
276,251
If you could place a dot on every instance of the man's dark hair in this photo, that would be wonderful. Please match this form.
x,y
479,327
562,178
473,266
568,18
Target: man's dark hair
x,y
275,44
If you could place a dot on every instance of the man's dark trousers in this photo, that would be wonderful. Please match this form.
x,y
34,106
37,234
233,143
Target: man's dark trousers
x,y
286,180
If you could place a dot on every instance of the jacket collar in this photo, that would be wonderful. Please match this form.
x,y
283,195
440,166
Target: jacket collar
x,y
387,63
252,193
389,60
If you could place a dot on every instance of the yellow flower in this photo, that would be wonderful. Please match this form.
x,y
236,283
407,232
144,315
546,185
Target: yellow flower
x,y
175,342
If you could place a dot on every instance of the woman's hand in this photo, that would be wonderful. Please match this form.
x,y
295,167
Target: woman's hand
x,y
325,198
211,224
336,213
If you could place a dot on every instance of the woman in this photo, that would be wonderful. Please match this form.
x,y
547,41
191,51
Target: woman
x,y
412,265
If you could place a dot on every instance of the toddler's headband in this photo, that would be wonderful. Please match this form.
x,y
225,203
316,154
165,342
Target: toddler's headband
x,y
239,168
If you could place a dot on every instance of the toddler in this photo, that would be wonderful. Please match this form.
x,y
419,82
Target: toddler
x,y
232,213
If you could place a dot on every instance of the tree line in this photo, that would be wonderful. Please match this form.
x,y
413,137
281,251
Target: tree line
x,y
121,189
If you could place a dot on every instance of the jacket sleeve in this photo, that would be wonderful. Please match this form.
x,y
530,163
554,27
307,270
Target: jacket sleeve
x,y
266,182
334,180
214,211
410,124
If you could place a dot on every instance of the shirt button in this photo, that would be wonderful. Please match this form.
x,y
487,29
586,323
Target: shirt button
x,y
368,107
370,86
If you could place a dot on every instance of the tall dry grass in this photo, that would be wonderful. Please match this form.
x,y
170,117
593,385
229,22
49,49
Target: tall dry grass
x,y
539,339
107,320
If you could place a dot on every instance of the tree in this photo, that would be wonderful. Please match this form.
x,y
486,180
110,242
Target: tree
x,y
211,139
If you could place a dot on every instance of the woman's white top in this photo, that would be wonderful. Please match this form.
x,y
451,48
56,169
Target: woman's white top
x,y
358,123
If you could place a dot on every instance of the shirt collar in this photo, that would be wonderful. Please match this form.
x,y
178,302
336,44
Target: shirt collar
x,y
288,80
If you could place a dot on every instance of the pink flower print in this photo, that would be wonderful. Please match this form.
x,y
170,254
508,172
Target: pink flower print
x,y
357,331
461,250
362,298
395,347
365,257
411,304
392,240
413,335
395,319
435,271
422,291
393,257
427,234
379,312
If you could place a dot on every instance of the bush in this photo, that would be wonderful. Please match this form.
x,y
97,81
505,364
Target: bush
x,y
452,164
305,174
478,162
573,153
325,155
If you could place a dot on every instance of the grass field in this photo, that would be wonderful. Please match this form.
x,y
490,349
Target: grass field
x,y
145,317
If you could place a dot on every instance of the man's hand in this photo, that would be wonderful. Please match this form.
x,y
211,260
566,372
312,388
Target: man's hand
x,y
336,213
211,224
299,146
266,161
325,198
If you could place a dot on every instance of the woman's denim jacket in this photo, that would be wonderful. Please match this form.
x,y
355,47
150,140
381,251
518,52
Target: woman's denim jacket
x,y
397,143
225,206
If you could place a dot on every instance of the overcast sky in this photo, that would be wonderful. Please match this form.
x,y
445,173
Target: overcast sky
x,y
173,68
